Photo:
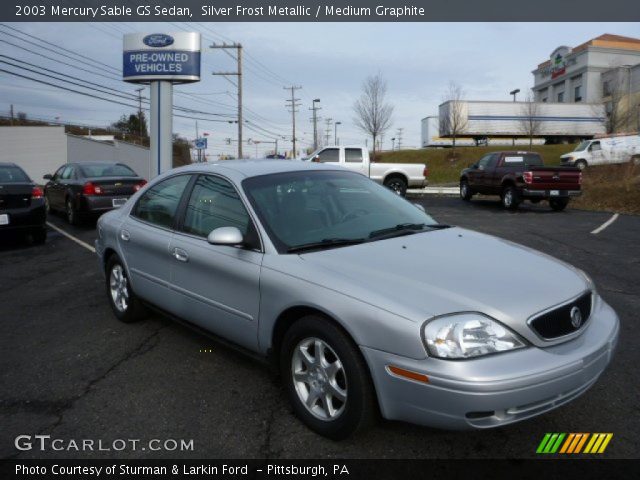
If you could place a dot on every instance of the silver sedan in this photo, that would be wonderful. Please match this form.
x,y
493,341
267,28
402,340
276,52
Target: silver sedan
x,y
363,301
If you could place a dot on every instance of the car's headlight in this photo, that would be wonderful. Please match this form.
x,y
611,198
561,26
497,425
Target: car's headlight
x,y
467,335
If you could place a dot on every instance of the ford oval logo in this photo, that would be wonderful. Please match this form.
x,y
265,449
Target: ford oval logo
x,y
158,40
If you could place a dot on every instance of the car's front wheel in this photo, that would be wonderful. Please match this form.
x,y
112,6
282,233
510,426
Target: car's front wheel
x,y
326,378
465,190
124,303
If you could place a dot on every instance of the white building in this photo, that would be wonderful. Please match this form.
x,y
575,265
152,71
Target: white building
x,y
575,74
41,150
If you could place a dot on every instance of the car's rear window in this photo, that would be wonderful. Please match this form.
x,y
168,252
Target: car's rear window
x,y
106,170
519,159
13,174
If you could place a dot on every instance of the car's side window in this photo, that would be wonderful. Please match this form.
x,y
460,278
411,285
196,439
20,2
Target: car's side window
x,y
159,204
493,161
353,155
329,155
595,146
66,173
484,161
214,203
58,174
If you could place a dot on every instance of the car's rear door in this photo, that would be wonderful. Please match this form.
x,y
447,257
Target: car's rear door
x,y
145,237
218,286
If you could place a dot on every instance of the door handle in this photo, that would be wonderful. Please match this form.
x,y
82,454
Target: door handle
x,y
125,235
180,255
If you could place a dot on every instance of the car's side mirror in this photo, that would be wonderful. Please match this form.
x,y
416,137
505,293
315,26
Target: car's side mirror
x,y
419,207
474,166
316,159
225,236
48,176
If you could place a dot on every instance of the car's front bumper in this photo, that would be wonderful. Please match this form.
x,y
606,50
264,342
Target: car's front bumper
x,y
497,389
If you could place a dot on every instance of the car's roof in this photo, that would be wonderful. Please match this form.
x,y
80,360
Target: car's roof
x,y
257,167
7,164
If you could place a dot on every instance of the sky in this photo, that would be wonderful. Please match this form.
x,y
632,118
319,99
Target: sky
x,y
328,60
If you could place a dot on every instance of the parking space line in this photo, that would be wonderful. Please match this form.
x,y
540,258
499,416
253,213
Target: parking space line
x,y
72,238
606,224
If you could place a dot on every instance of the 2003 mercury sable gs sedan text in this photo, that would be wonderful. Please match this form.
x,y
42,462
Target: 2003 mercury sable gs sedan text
x,y
364,302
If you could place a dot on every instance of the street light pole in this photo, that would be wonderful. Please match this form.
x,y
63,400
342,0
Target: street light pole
x,y
514,93
315,109
335,132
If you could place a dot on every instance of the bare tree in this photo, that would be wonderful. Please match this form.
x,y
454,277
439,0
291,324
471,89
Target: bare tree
x,y
373,113
530,118
455,122
617,100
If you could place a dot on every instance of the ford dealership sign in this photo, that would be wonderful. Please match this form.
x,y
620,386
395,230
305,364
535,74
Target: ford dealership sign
x,y
158,40
173,57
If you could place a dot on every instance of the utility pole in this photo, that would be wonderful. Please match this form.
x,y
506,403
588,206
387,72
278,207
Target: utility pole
x,y
335,133
399,137
12,114
293,104
314,119
238,74
140,90
327,130
198,150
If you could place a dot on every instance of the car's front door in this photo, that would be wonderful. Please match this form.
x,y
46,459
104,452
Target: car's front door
x,y
597,156
145,238
329,155
477,176
353,160
218,286
55,189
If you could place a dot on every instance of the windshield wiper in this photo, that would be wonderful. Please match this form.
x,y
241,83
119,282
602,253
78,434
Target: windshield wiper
x,y
326,243
405,229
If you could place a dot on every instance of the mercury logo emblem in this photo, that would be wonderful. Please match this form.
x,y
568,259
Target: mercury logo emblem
x,y
576,317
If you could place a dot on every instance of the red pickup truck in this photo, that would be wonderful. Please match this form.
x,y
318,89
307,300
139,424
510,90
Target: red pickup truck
x,y
518,176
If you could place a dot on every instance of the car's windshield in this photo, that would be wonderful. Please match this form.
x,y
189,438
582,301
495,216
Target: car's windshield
x,y
582,146
329,208
11,174
107,170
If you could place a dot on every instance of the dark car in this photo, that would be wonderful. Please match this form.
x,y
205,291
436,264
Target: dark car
x,y
518,176
22,207
90,188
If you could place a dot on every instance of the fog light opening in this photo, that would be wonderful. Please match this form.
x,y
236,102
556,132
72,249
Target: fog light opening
x,y
476,415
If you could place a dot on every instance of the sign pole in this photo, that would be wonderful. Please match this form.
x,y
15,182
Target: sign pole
x,y
161,126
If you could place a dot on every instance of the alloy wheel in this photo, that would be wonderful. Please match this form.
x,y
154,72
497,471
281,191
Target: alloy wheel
x,y
119,288
319,378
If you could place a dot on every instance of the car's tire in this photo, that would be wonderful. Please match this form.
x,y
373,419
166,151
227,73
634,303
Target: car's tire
x,y
124,303
71,213
581,164
39,236
47,205
396,184
558,204
510,198
465,190
339,389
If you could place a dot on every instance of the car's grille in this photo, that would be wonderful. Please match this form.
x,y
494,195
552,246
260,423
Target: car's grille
x,y
560,321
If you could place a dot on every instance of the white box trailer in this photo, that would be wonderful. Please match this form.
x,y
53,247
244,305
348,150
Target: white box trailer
x,y
556,122
431,137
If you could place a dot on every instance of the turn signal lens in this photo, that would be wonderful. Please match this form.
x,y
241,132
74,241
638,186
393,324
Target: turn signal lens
x,y
401,372
36,193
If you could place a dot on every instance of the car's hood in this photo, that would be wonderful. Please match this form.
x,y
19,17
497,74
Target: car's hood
x,y
444,271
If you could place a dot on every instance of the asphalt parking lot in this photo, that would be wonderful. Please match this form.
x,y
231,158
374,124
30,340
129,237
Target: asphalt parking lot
x,y
69,369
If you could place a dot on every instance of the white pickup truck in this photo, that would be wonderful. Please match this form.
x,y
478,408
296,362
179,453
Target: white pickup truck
x,y
396,176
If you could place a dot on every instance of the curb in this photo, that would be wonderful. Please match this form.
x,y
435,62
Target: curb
x,y
453,191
